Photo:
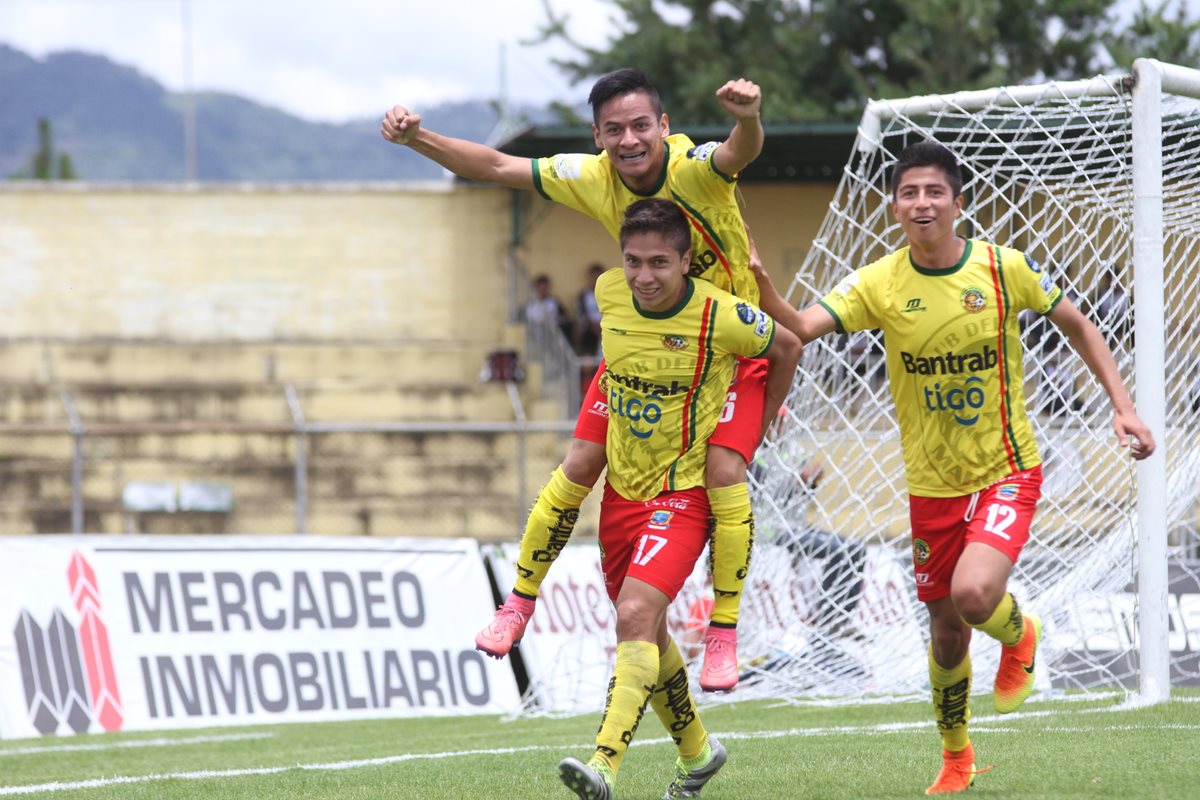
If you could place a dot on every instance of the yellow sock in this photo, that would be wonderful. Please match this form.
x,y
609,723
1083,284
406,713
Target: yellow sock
x,y
630,687
672,702
951,701
729,549
547,530
1006,624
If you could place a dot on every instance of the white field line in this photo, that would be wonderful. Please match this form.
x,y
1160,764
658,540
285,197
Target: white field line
x,y
160,742
882,729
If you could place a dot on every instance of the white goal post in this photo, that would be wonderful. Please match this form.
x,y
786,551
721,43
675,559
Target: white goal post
x,y
1099,179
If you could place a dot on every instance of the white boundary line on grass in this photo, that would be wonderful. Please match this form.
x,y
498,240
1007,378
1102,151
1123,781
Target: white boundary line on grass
x,y
160,742
883,729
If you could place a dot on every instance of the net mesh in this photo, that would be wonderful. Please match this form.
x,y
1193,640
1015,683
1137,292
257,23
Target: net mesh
x,y
832,611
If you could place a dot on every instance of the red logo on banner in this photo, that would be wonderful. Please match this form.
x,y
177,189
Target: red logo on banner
x,y
93,638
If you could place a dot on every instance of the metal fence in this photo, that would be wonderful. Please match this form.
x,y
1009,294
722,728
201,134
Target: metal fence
x,y
408,478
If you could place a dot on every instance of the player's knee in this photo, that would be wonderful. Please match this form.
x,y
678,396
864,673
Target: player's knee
x,y
637,618
584,462
975,604
724,467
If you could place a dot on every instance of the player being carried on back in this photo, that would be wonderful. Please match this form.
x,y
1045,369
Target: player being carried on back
x,y
640,159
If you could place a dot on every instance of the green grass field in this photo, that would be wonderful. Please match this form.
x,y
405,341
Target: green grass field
x,y
1052,749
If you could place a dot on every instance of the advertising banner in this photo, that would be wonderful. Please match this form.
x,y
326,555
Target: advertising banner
x,y
106,633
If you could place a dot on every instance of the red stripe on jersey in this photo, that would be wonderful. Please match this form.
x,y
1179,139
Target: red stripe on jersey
x,y
1000,368
699,226
702,355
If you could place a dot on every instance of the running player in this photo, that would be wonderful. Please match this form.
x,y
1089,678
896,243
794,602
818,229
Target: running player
x,y
641,159
948,308
671,344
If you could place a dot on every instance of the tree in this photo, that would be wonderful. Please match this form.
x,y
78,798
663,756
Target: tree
x,y
1153,34
821,59
43,164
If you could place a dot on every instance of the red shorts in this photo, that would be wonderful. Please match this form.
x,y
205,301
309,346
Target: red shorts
x,y
739,428
656,541
998,516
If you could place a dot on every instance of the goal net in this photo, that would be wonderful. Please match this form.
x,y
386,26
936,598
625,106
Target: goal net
x,y
831,611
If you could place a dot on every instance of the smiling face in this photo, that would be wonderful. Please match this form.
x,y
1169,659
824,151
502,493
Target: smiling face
x,y
926,208
655,270
629,130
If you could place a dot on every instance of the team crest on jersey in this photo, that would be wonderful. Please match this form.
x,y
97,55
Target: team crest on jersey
x,y
973,300
1008,491
660,520
674,342
746,313
920,552
702,152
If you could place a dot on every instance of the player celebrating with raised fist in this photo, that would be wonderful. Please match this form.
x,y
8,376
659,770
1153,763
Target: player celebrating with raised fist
x,y
671,345
640,159
948,308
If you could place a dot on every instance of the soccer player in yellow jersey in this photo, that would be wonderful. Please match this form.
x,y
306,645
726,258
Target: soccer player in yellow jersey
x,y
948,308
671,345
641,158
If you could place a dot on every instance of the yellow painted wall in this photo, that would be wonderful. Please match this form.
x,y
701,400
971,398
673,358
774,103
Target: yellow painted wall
x,y
329,262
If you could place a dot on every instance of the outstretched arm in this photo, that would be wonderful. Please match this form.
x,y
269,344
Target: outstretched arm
x,y
1087,341
809,324
465,159
743,100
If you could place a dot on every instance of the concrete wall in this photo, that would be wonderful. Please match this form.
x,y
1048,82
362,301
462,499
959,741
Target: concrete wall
x,y
310,262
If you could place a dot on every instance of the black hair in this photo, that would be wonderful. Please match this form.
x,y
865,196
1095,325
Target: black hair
x,y
621,82
928,154
656,215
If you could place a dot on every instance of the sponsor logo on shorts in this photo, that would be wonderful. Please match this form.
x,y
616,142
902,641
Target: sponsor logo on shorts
x,y
1008,491
920,551
673,342
599,409
973,299
660,520
922,578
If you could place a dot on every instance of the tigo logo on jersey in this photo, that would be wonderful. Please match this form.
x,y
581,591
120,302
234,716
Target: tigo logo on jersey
x,y
973,300
673,342
957,400
660,520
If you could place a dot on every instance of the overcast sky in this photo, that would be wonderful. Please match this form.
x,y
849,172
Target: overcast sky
x,y
327,60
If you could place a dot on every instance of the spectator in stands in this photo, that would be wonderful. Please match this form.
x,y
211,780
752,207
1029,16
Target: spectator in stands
x,y
588,314
545,310
1113,316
